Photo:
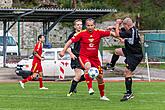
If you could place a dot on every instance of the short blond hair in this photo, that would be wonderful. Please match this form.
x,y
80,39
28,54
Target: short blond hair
x,y
77,20
128,21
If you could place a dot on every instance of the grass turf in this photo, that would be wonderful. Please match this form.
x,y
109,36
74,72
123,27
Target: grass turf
x,y
148,96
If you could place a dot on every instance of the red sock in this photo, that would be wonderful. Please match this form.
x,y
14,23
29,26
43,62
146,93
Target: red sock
x,y
29,78
101,89
88,80
40,81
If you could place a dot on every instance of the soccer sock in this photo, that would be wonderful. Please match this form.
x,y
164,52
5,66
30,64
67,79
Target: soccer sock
x,y
40,82
101,89
114,60
128,85
88,80
29,78
82,78
73,86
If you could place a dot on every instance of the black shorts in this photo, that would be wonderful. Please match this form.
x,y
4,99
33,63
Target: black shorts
x,y
132,60
75,64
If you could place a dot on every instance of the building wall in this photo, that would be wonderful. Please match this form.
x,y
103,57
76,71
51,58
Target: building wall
x,y
6,3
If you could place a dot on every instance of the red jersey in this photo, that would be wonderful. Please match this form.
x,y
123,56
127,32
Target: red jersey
x,y
38,49
89,42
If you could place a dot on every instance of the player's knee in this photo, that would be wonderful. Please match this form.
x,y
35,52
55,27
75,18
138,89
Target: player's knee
x,y
77,78
87,65
40,74
34,75
100,78
117,51
127,73
100,81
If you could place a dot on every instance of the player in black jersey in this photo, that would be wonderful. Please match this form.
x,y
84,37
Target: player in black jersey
x,y
74,53
132,51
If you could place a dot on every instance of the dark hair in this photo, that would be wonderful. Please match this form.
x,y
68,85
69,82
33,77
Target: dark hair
x,y
90,19
40,36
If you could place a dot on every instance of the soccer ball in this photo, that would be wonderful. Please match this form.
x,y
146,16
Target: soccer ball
x,y
93,72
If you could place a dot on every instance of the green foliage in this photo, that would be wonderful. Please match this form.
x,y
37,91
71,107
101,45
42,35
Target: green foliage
x,y
28,3
64,3
94,4
151,12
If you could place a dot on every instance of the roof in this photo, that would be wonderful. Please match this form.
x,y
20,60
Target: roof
x,y
50,14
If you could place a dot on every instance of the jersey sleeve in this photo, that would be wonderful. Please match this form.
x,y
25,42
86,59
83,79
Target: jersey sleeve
x,y
37,47
104,33
76,37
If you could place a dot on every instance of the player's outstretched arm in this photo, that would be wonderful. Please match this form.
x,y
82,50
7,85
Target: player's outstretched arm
x,y
61,54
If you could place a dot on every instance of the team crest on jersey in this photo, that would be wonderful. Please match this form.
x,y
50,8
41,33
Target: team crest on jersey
x,y
91,45
91,39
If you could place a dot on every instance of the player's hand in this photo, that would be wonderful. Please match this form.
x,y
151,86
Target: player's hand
x,y
61,54
119,21
110,27
42,59
73,56
122,40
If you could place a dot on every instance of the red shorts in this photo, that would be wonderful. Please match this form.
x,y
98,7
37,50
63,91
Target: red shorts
x,y
36,68
95,62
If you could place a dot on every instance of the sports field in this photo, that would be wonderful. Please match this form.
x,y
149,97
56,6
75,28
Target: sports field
x,y
148,96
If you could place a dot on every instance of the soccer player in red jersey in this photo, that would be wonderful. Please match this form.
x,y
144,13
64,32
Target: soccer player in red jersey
x,y
36,65
89,45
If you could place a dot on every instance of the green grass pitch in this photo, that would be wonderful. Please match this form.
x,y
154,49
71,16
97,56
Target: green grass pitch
x,y
148,96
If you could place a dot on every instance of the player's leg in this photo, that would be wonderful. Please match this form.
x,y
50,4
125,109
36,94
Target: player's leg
x,y
95,62
40,79
128,85
88,78
115,57
85,63
132,62
101,84
29,78
75,81
76,66
128,74
40,73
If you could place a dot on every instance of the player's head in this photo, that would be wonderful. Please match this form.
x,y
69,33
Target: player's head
x,y
78,25
90,24
127,23
41,38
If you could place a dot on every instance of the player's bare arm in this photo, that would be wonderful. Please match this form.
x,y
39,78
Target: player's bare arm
x,y
118,23
61,54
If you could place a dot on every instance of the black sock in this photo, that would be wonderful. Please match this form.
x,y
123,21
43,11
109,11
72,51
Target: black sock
x,y
82,78
114,60
128,85
73,86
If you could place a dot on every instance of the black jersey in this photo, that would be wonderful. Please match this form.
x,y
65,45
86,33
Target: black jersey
x,y
132,40
76,48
